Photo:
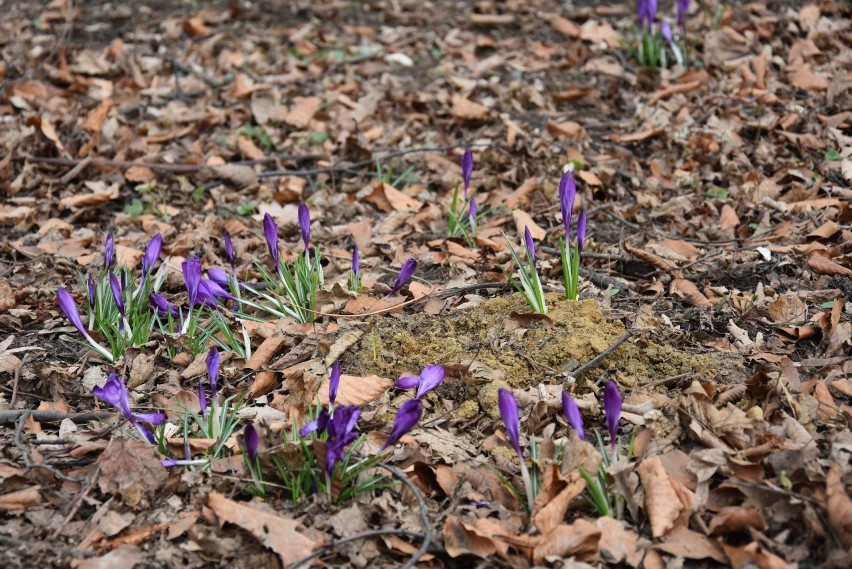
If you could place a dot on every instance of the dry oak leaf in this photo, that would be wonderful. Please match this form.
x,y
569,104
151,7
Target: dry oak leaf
x,y
282,535
682,542
20,499
303,111
565,26
580,539
465,110
661,499
825,266
687,290
129,467
464,539
839,505
618,544
355,390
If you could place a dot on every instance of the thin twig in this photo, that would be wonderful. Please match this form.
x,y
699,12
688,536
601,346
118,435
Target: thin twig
x,y
600,357
426,536
78,501
25,453
46,416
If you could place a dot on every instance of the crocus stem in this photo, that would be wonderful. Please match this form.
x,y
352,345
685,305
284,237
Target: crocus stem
x,y
525,476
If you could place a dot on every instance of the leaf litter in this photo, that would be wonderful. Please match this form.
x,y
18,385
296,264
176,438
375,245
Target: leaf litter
x,y
718,199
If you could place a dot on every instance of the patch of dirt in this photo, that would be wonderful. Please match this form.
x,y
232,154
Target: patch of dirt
x,y
499,341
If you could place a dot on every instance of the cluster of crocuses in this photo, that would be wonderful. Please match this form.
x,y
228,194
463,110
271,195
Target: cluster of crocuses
x,y
462,219
570,252
596,488
650,51
335,430
117,306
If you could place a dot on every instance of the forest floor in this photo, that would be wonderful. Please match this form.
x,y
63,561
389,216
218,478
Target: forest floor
x,y
715,285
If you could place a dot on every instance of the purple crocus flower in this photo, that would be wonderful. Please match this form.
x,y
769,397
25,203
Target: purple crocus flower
x,y
152,253
405,274
530,244
114,392
117,294
161,306
341,433
209,292
581,230
682,9
191,269
472,216
612,410
213,359
250,441
567,196
430,378
467,168
333,382
356,262
407,416
641,8
508,406
109,250
69,307
91,292
270,232
666,32
229,249
305,225
651,13
572,413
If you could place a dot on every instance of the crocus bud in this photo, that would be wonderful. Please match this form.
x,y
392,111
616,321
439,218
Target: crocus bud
x,y
567,196
612,410
250,440
333,382
117,293
270,233
91,292
572,413
581,230
305,225
530,244
213,369
229,249
152,253
508,406
467,168
109,250
682,9
405,275
472,216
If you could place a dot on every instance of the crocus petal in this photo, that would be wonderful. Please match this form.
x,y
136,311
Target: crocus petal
x,y
508,406
651,12
405,274
111,392
212,291
219,276
581,230
305,224
162,306
356,261
117,294
407,382
152,253
530,244
467,168
270,232
333,382
309,428
572,413
640,11
213,359
407,416
430,378
229,249
153,418
567,196
145,432
169,462
682,9
191,269
91,292
250,440
471,215
666,31
109,250
69,307
612,409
